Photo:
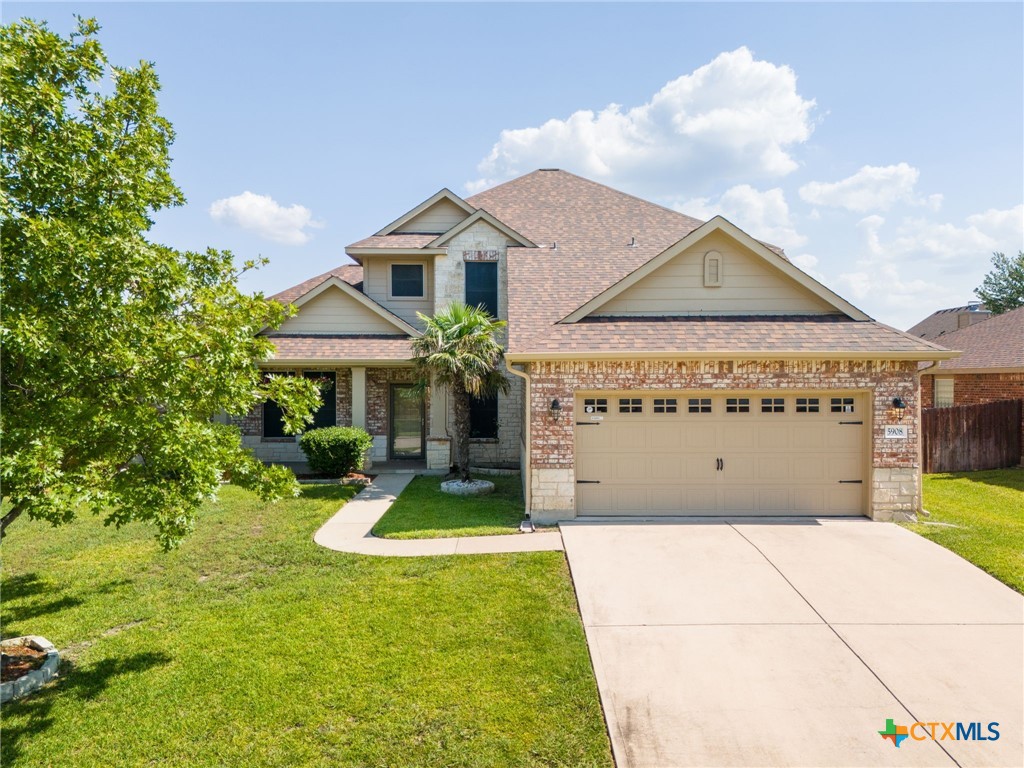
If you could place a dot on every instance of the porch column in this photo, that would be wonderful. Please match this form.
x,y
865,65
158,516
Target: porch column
x,y
438,410
439,445
359,397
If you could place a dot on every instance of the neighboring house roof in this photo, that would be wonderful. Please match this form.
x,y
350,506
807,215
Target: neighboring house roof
x,y
758,336
350,273
309,347
947,320
996,343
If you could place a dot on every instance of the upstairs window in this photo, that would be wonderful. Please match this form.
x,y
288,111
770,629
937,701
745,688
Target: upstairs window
x,y
482,285
407,281
483,417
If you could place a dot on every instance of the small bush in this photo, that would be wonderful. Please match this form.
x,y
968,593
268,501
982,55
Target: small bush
x,y
335,451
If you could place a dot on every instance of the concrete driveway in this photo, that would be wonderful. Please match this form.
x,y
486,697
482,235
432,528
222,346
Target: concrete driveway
x,y
791,642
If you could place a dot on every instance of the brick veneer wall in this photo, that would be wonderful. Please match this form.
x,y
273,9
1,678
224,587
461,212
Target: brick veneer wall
x,y
895,491
977,388
974,388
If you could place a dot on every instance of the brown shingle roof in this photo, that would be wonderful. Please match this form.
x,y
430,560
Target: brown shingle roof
x,y
300,346
947,320
995,343
394,241
350,273
592,226
829,334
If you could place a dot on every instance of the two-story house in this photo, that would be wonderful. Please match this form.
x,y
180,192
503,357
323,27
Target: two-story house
x,y
659,364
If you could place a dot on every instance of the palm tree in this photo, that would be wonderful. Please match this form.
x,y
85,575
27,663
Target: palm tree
x,y
460,349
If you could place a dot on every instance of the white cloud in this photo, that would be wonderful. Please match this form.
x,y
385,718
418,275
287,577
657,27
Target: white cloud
x,y
925,265
872,188
733,117
808,263
267,218
763,215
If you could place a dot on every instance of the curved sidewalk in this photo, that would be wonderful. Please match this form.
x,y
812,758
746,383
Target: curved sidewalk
x,y
349,530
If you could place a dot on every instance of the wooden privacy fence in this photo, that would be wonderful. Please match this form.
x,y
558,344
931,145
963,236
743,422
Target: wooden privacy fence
x,y
972,437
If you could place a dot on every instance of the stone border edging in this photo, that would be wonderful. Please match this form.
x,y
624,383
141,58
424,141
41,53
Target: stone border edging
x,y
349,530
37,678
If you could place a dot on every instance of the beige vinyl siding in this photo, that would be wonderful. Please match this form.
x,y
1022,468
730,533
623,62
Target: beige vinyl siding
x,y
335,312
376,279
438,218
749,285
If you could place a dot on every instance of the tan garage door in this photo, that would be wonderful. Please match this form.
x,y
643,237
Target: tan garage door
x,y
650,453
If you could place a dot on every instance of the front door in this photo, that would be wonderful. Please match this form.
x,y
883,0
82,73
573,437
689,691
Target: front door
x,y
405,440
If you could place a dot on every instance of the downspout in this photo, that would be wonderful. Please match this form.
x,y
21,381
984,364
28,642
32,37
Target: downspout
x,y
527,405
920,437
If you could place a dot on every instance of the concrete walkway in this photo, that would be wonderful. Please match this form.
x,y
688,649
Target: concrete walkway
x,y
349,529
792,642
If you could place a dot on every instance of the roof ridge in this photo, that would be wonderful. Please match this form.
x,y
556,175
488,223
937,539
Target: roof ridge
x,y
592,183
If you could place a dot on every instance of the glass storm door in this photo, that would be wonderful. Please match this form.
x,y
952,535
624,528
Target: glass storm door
x,y
406,438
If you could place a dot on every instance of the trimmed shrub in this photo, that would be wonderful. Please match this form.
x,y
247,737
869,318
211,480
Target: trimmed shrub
x,y
335,451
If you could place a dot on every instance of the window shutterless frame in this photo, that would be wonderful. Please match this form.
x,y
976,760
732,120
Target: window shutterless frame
x,y
407,280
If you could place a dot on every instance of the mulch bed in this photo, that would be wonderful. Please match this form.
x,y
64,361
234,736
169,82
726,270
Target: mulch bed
x,y
18,661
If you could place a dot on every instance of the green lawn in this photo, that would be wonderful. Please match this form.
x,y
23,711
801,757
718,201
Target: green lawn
x,y
250,645
987,510
423,512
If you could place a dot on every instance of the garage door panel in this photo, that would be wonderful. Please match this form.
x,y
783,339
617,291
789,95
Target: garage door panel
x,y
592,466
701,437
629,437
666,467
846,437
665,437
631,500
810,500
773,437
701,500
739,437
701,467
810,437
667,500
779,463
738,499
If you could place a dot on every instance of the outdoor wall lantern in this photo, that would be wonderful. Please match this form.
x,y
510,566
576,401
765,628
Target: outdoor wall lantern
x,y
899,408
556,408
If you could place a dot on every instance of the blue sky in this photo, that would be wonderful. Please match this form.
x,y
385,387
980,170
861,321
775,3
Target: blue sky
x,y
881,144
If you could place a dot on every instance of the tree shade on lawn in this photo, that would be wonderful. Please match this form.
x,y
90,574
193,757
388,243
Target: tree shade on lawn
x,y
250,645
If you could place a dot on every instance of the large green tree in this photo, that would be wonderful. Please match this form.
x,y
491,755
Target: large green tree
x,y
1003,287
118,353
460,349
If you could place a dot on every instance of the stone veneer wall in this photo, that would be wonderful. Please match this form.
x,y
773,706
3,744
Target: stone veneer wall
x,y
895,482
482,242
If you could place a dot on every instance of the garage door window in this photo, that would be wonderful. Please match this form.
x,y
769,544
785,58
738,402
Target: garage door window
x,y
595,405
631,405
807,405
699,405
737,405
665,405
773,405
842,405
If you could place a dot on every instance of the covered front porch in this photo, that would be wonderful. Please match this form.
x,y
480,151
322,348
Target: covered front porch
x,y
378,396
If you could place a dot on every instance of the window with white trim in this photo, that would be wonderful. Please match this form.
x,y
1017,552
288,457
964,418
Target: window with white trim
x,y
944,393
407,281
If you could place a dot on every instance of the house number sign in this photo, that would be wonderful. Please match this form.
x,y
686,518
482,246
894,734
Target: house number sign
x,y
896,432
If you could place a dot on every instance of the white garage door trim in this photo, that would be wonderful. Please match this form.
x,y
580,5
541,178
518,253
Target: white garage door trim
x,y
722,453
